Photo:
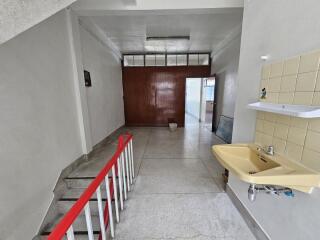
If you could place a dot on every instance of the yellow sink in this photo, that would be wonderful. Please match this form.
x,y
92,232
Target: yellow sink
x,y
252,165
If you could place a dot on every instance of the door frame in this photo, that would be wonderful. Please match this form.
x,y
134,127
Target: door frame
x,y
215,103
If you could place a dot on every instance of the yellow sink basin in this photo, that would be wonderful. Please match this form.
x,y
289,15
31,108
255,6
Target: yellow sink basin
x,y
254,166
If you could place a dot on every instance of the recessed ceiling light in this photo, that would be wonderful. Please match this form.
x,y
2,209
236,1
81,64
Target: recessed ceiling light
x,y
157,38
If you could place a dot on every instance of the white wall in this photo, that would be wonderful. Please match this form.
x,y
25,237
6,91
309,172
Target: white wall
x,y
203,104
280,29
193,96
105,97
225,64
38,124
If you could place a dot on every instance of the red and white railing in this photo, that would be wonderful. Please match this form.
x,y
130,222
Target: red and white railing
x,y
121,167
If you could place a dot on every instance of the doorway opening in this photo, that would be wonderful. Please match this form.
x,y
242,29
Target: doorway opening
x,y
199,101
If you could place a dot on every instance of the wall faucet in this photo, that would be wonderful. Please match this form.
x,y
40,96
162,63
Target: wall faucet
x,y
269,150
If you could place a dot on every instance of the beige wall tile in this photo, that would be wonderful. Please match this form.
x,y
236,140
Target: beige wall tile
x,y
276,69
303,98
266,71
260,115
281,131
293,151
272,97
259,125
306,82
297,135
271,117
294,81
258,138
299,122
318,82
264,84
316,99
288,83
286,98
311,159
268,128
274,84
314,124
313,141
266,140
291,66
283,119
309,62
279,145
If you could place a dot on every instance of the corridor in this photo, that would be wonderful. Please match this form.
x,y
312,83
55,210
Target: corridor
x,y
178,192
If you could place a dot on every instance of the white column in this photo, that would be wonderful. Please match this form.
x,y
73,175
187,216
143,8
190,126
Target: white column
x,y
101,215
115,194
109,204
79,87
70,234
89,221
132,158
127,166
120,181
124,176
129,161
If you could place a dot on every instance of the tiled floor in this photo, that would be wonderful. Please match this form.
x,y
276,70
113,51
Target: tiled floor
x,y
177,193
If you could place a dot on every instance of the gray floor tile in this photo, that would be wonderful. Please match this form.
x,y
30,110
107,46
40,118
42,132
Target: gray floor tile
x,y
181,216
190,167
175,184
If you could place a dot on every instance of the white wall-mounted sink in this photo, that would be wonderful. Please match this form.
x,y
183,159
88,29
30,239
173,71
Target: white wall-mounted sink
x,y
254,166
287,109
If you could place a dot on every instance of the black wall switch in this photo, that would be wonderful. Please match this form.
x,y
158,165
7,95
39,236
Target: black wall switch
x,y
87,79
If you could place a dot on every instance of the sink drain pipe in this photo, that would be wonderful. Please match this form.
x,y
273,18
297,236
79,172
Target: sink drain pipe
x,y
253,190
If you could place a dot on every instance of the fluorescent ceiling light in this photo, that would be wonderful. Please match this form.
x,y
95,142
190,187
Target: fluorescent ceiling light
x,y
157,38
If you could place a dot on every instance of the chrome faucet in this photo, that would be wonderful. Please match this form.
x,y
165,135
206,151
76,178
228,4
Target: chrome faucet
x,y
269,150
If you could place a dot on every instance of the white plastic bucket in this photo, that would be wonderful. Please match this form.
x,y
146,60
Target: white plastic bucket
x,y
173,126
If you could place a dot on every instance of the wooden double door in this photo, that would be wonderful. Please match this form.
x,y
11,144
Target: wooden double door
x,y
153,96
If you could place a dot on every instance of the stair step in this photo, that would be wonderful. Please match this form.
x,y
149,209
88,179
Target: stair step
x,y
77,192
79,224
64,205
83,235
81,182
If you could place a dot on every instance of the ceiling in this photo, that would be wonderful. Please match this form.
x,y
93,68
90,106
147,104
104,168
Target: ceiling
x,y
128,32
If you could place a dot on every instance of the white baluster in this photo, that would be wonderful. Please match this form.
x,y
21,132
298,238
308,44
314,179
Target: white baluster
x,y
70,234
88,221
124,176
127,166
132,160
101,215
120,181
115,194
129,162
109,205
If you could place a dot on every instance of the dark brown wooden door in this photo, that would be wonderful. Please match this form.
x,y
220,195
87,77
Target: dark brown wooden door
x,y
155,95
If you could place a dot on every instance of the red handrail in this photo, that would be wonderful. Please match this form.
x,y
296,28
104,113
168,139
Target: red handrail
x,y
63,226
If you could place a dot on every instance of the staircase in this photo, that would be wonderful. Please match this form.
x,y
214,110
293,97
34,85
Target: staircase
x,y
119,173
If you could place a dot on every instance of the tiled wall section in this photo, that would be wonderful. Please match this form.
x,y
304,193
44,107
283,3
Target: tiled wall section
x,y
292,81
